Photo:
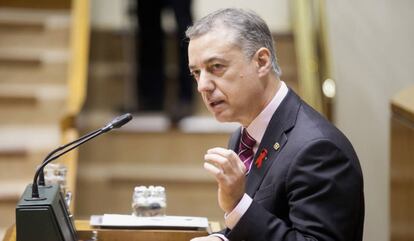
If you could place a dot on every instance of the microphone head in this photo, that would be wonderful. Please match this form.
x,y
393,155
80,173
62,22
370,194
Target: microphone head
x,y
121,120
117,122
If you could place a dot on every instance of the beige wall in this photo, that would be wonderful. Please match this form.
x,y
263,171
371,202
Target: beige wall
x,y
274,12
373,55
110,14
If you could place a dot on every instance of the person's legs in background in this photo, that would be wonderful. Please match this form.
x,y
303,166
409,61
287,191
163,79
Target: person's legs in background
x,y
150,56
183,17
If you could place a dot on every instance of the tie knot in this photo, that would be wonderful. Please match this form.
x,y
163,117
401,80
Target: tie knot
x,y
246,140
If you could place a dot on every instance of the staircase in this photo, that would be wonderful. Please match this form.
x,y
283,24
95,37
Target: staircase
x,y
36,88
33,65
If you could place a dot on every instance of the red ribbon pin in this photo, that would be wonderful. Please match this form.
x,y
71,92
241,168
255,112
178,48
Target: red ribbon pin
x,y
260,158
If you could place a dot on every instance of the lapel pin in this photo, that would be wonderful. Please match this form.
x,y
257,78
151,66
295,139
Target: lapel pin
x,y
261,157
276,146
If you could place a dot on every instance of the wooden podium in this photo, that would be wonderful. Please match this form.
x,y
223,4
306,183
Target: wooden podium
x,y
402,166
85,232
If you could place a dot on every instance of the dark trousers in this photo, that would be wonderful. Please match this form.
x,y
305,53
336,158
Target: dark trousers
x,y
151,54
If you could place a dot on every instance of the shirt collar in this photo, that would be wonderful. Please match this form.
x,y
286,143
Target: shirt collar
x,y
258,126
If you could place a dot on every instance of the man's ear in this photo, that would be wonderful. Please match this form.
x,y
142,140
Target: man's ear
x,y
263,61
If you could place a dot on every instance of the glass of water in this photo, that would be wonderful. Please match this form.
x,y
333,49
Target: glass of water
x,y
56,174
149,201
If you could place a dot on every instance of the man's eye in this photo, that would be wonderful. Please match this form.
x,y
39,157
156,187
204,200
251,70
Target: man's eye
x,y
217,66
195,74
217,69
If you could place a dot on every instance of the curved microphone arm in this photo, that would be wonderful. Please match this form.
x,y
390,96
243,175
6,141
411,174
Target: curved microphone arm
x,y
41,175
115,123
35,189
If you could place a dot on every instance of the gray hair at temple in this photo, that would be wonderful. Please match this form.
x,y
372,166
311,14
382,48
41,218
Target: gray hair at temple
x,y
250,31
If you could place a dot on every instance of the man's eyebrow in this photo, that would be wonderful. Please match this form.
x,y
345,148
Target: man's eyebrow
x,y
209,60
214,58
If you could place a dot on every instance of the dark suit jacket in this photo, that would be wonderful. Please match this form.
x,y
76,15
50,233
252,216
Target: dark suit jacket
x,y
310,188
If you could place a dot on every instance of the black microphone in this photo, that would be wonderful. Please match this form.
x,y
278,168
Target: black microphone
x,y
115,123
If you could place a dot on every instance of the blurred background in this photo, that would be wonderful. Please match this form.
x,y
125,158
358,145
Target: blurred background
x,y
68,67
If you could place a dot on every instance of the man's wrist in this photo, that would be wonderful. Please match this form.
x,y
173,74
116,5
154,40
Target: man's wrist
x,y
232,218
220,236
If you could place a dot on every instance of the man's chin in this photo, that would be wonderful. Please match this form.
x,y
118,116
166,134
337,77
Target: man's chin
x,y
222,115
222,118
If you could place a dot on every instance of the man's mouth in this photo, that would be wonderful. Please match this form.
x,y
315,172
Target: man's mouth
x,y
216,103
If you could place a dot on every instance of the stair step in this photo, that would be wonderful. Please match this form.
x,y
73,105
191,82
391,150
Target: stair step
x,y
47,29
31,115
23,148
34,19
13,152
33,66
28,138
44,92
32,56
33,73
157,122
11,191
42,39
136,172
18,100
132,143
37,103
20,167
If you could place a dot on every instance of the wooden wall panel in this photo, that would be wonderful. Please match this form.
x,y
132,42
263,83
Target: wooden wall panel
x,y
402,167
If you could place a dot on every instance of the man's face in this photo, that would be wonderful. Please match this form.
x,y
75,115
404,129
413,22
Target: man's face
x,y
227,80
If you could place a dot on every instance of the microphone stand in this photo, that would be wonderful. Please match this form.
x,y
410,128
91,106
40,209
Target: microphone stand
x,y
35,189
116,123
41,174
34,212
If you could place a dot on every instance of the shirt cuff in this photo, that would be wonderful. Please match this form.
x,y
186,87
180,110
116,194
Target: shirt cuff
x,y
234,216
219,235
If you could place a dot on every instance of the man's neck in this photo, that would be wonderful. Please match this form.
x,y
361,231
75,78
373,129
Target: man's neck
x,y
270,89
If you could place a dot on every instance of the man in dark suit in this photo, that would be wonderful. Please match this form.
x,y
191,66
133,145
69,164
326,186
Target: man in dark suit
x,y
288,173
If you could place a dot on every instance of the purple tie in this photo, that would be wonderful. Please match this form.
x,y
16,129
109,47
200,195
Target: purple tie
x,y
246,149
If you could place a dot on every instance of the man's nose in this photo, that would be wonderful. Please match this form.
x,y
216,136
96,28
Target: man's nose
x,y
205,82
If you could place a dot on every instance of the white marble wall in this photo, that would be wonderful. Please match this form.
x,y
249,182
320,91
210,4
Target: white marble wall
x,y
373,54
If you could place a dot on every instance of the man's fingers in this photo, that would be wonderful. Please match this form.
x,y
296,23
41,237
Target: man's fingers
x,y
228,154
225,159
216,160
212,169
221,151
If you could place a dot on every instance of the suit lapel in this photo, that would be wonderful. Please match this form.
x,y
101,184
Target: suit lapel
x,y
234,140
273,140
